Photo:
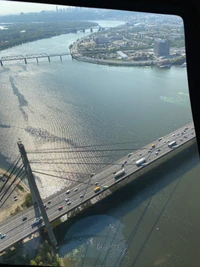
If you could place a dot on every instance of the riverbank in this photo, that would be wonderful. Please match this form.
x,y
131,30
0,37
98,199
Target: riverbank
x,y
46,30
114,63
11,207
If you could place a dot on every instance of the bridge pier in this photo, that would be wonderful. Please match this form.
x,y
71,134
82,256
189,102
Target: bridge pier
x,y
60,58
25,60
37,59
1,63
49,58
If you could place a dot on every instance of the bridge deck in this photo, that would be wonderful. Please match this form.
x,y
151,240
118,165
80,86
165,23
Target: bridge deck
x,y
16,229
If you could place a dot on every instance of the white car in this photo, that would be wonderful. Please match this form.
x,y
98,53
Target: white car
x,y
76,189
68,191
37,221
96,183
66,199
2,236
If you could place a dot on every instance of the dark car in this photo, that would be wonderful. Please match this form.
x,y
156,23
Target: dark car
x,y
24,218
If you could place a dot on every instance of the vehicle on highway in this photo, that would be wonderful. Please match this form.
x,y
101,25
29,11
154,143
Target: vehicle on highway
x,y
15,199
68,203
140,162
68,191
119,173
92,174
49,202
2,236
130,154
81,196
24,218
37,221
156,153
172,144
153,145
97,189
66,199
76,189
60,207
104,187
96,183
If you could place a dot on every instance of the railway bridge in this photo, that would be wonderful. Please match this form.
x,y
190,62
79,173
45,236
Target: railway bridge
x,y
32,56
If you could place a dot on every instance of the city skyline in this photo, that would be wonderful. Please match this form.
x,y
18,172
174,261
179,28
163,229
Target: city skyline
x,y
10,7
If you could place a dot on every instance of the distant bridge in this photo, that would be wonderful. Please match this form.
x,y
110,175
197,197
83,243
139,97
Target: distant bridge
x,y
32,56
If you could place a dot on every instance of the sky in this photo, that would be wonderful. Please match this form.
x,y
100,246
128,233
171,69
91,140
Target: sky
x,y
9,7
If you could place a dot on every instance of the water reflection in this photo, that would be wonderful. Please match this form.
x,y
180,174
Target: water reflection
x,y
96,240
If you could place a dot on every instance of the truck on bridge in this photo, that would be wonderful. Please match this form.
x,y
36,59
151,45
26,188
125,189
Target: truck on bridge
x,y
120,173
140,162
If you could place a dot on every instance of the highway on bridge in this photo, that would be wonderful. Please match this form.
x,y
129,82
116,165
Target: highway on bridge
x,y
16,229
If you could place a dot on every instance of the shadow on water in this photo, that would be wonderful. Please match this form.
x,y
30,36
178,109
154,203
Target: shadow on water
x,y
142,189
4,163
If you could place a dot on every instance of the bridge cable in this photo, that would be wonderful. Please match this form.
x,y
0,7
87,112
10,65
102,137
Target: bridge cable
x,y
80,163
13,189
63,178
12,182
84,146
84,151
11,173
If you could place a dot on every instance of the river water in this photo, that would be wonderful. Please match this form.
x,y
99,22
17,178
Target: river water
x,y
77,106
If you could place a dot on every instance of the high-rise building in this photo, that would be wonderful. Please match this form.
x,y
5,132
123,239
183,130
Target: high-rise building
x,y
161,47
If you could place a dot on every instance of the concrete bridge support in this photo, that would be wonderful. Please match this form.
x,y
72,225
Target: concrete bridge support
x,y
25,60
49,58
1,63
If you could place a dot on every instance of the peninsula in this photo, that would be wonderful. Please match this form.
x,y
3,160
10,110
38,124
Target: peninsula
x,y
132,44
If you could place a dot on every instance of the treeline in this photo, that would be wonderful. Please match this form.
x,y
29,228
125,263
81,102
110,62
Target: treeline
x,y
45,256
68,14
20,33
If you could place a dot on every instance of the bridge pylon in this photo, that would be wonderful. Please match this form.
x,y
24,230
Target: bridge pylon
x,y
38,204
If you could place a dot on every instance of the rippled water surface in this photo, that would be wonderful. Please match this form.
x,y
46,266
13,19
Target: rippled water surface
x,y
76,105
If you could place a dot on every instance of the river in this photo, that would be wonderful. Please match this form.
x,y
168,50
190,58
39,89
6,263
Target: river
x,y
77,105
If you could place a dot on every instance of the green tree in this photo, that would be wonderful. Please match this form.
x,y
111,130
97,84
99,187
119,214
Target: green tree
x,y
49,258
32,262
38,259
28,201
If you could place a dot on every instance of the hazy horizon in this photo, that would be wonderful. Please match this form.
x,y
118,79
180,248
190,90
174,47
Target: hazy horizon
x,y
10,7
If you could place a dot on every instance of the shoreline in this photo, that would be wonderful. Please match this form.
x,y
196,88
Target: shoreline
x,y
12,207
113,63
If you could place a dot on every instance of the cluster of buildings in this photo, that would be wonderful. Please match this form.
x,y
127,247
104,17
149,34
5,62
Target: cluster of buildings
x,y
136,42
